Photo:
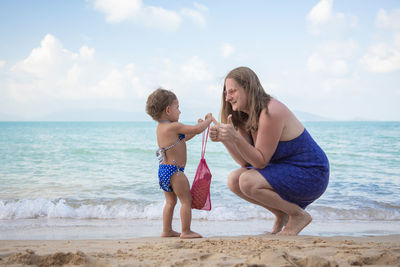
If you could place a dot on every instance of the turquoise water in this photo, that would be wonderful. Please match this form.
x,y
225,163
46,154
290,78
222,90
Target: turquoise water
x,y
56,177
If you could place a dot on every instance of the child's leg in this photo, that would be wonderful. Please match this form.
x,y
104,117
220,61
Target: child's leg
x,y
168,213
181,187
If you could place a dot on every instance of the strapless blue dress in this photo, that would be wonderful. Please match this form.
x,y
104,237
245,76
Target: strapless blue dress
x,y
298,171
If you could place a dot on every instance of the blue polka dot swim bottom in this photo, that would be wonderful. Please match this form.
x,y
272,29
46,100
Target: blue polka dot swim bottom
x,y
165,173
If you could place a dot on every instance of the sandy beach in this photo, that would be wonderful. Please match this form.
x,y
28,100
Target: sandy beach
x,y
260,250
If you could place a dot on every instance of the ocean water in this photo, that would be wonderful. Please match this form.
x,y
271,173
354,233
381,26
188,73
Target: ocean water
x,y
79,180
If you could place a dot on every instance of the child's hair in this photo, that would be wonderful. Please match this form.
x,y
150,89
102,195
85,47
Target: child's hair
x,y
158,101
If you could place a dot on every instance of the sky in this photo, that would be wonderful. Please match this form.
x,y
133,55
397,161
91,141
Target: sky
x,y
337,59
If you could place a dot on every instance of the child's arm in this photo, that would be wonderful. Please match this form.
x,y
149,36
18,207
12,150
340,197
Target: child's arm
x,y
190,136
191,130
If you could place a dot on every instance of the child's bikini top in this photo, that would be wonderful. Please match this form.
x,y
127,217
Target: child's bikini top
x,y
161,152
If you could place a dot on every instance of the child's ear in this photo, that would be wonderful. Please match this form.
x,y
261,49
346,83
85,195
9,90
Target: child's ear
x,y
167,110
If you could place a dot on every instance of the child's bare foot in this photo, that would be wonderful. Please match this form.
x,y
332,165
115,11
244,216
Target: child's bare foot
x,y
296,223
190,234
171,233
280,222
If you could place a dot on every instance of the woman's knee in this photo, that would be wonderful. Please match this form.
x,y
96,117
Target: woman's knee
x,y
233,180
246,183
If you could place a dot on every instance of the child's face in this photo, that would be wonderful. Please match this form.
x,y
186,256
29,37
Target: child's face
x,y
174,111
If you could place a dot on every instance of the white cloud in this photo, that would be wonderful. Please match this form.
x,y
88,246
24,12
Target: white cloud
x,y
200,6
339,67
195,69
332,57
51,58
389,20
192,79
111,86
53,72
86,52
384,56
43,60
157,17
74,74
52,77
2,63
316,63
151,16
118,10
194,16
227,50
397,39
321,12
323,19
122,83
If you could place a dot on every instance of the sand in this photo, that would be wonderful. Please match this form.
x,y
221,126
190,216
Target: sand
x,y
216,251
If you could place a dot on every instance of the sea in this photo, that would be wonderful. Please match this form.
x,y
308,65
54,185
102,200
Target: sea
x,y
98,180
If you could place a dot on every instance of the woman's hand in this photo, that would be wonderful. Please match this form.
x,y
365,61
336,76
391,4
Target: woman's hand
x,y
227,132
222,132
214,133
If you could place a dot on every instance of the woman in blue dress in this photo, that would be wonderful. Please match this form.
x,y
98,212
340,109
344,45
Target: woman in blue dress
x,y
282,168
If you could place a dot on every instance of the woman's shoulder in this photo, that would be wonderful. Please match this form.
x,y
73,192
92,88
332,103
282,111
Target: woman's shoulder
x,y
292,127
279,115
274,116
276,104
276,109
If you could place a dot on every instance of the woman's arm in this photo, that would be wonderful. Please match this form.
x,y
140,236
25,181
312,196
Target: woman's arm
x,y
270,128
235,154
232,149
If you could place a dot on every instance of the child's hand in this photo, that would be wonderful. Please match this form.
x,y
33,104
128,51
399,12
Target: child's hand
x,y
209,116
214,131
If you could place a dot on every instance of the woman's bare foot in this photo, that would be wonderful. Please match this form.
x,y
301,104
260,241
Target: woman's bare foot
x,y
280,222
296,223
190,234
171,233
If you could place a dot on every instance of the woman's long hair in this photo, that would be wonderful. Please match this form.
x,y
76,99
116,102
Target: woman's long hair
x,y
257,99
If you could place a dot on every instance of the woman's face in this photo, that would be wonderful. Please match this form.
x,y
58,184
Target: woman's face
x,y
235,95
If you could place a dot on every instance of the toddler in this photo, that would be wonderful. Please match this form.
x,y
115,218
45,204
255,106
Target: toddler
x,y
163,106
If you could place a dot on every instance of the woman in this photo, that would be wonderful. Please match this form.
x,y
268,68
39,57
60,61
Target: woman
x,y
282,167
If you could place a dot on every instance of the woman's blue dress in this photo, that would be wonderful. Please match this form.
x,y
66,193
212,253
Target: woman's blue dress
x,y
298,171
